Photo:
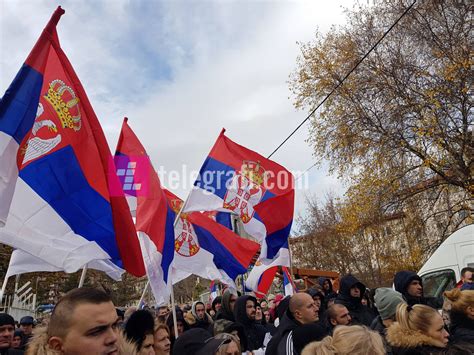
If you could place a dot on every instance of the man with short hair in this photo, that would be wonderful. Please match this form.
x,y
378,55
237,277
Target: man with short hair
x,y
410,285
7,328
301,310
162,313
337,314
84,321
466,279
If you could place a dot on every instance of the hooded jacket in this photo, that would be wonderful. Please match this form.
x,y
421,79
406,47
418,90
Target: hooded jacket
x,y
225,312
401,282
330,293
195,322
255,333
360,314
38,344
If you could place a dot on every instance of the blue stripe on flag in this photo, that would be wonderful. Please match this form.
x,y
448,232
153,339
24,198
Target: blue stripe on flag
x,y
59,180
223,259
168,247
213,177
277,240
19,105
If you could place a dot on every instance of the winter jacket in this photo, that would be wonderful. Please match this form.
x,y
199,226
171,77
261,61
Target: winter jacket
x,y
330,293
461,328
38,345
279,342
402,281
360,314
225,312
192,319
11,352
411,342
379,327
255,333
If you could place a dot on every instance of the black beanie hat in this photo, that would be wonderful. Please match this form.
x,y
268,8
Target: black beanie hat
x,y
139,325
6,319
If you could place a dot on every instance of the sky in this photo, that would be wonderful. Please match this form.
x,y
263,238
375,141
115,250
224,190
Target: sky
x,y
183,70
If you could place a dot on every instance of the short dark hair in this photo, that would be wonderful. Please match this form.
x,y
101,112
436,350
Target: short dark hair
x,y
63,311
465,269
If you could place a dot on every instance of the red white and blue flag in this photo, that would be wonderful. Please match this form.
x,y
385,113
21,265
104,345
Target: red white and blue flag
x,y
288,284
154,216
213,290
206,248
56,171
240,181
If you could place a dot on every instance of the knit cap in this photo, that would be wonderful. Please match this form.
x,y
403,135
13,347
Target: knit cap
x,y
386,301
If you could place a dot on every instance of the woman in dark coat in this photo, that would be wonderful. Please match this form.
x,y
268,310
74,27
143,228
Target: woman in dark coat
x,y
461,315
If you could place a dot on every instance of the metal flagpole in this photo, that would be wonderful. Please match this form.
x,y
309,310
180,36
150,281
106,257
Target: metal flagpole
x,y
143,293
83,276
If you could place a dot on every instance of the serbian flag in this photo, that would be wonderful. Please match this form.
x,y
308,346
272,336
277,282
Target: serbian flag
x,y
59,199
261,276
240,181
288,284
207,249
154,217
212,290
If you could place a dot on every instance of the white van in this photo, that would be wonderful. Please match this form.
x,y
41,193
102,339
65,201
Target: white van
x,y
443,269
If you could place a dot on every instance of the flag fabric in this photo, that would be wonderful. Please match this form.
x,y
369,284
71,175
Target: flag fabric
x,y
59,199
154,216
261,276
238,180
288,284
22,262
207,248
212,290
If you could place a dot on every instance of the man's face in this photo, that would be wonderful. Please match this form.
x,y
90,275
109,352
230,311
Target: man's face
x,y
468,277
415,289
200,311
92,331
162,342
317,301
180,328
163,311
342,317
308,312
217,307
250,309
6,335
27,328
16,342
232,300
355,291
326,285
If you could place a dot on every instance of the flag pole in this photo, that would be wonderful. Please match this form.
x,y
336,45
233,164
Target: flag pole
x,y
143,293
83,276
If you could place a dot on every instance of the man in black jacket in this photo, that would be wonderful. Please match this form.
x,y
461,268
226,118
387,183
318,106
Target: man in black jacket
x,y
244,313
409,284
301,310
350,295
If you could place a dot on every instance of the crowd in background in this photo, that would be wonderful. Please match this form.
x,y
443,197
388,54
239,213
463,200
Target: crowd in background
x,y
354,320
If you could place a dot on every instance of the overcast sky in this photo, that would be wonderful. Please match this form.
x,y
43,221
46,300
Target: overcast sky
x,y
183,70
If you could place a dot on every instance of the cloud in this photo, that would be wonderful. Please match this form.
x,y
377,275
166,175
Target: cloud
x,y
182,70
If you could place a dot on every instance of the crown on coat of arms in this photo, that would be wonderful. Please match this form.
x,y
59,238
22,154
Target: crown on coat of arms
x,y
176,205
65,103
253,171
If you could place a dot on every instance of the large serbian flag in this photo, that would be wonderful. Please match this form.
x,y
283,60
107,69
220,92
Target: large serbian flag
x,y
261,192
154,217
206,248
56,170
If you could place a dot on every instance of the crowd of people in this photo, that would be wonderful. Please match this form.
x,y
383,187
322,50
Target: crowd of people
x,y
318,321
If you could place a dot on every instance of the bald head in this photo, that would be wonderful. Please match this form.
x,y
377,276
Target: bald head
x,y
303,308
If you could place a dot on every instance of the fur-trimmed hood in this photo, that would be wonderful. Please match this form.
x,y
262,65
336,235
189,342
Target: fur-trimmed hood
x,y
38,345
406,338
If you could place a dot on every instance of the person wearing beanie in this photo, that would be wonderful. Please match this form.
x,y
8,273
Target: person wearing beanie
x,y
140,329
386,302
7,328
410,285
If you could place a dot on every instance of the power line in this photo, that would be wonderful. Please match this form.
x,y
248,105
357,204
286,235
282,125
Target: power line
x,y
343,79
